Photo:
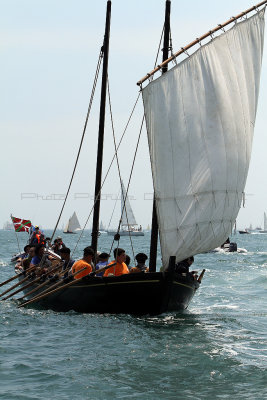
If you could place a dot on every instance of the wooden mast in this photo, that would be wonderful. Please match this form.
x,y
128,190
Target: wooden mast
x,y
97,197
154,227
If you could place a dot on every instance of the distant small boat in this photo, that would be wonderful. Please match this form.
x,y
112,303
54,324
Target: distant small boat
x,y
264,230
228,247
8,226
254,230
102,229
128,221
243,232
73,224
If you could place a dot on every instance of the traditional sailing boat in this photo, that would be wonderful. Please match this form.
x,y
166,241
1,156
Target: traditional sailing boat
x,y
264,230
72,225
102,228
128,221
200,117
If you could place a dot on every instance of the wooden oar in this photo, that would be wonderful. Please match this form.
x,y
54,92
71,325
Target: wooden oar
x,y
48,292
32,282
38,287
53,286
15,277
63,272
34,290
91,274
201,276
17,284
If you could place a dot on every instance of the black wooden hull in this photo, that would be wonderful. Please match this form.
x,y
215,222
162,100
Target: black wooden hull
x,y
151,293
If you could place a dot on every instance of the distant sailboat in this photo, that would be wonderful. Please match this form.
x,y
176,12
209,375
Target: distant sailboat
x,y
128,221
244,232
8,226
73,224
264,224
102,228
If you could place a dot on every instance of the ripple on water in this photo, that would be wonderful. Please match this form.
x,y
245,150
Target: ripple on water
x,y
216,349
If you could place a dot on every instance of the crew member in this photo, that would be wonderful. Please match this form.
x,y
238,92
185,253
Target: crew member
x,y
40,260
183,266
65,255
85,262
102,262
119,267
141,263
35,236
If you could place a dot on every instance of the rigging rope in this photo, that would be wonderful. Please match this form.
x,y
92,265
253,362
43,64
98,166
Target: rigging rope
x,y
124,200
157,55
115,155
110,165
119,171
171,48
113,210
81,142
116,150
138,141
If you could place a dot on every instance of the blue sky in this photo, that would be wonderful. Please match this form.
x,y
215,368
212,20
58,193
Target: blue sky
x,y
49,51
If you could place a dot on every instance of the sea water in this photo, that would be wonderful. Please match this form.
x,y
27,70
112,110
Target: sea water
x,y
215,349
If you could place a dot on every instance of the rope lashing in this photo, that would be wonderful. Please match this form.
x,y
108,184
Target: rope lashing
x,y
211,35
199,41
185,51
222,28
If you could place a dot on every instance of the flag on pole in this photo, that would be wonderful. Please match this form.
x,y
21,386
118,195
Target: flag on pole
x,y
21,225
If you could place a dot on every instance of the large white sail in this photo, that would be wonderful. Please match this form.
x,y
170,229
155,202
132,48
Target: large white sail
x,y
73,224
128,218
200,118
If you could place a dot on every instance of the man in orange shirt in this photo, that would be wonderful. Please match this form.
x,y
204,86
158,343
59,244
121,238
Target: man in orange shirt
x,y
85,262
120,267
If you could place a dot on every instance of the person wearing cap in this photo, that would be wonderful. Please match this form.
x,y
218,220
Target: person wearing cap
x,y
118,265
102,262
65,255
60,242
85,262
141,264
58,245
